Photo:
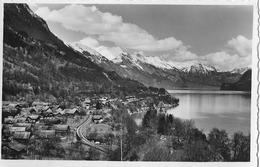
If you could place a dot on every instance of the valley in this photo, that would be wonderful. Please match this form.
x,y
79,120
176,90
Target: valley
x,y
67,101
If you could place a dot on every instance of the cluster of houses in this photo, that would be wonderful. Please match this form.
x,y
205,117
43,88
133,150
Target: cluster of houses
x,y
21,123
131,99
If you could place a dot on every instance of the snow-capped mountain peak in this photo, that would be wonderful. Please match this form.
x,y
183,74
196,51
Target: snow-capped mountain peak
x,y
160,62
240,70
132,59
82,48
113,54
94,55
199,68
137,60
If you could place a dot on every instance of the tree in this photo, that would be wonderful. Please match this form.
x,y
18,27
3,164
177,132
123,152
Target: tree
x,y
36,90
170,118
162,91
197,150
196,135
129,124
115,155
93,154
219,142
241,147
128,136
153,89
162,124
92,135
178,127
108,138
150,117
98,105
46,147
134,156
76,152
139,139
158,153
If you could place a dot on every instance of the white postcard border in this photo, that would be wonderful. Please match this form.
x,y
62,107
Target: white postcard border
x,y
254,96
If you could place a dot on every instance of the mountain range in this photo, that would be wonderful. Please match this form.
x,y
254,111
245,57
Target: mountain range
x,y
157,72
37,62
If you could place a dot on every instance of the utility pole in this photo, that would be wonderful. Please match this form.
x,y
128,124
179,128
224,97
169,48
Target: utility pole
x,y
121,143
121,140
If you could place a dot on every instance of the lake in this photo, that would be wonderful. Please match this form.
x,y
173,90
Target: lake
x,y
229,110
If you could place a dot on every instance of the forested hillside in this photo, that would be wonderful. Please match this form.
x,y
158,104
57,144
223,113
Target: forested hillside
x,y
39,65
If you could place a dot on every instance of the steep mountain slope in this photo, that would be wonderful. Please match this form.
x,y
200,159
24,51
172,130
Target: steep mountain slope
x,y
240,70
154,71
37,63
131,67
199,69
243,84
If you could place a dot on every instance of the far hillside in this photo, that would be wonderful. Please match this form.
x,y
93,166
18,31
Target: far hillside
x,y
243,84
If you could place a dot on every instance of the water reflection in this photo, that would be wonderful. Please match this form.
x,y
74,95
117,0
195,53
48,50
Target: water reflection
x,y
224,110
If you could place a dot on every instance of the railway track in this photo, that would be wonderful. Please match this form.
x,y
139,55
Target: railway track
x,y
81,133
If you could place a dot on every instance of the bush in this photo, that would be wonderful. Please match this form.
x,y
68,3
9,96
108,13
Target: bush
x,y
241,147
157,154
197,151
220,143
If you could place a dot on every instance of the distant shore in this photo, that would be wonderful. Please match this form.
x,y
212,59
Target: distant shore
x,y
207,91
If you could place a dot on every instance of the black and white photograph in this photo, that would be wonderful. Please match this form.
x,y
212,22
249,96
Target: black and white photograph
x,y
129,82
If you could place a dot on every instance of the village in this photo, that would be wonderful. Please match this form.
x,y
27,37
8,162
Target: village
x,y
90,123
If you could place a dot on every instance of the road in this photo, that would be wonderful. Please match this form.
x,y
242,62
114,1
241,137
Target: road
x,y
81,133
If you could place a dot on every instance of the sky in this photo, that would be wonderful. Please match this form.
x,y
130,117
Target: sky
x,y
220,36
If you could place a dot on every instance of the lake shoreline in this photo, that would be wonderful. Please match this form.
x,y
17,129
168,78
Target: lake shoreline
x,y
205,91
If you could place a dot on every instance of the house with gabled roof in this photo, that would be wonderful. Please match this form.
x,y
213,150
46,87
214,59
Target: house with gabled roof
x,y
46,134
9,120
61,129
71,112
23,124
40,103
97,118
13,129
10,111
86,103
20,119
33,118
59,112
22,136
52,120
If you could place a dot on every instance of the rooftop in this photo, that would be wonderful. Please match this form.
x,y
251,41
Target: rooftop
x,y
61,127
21,135
47,133
16,146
